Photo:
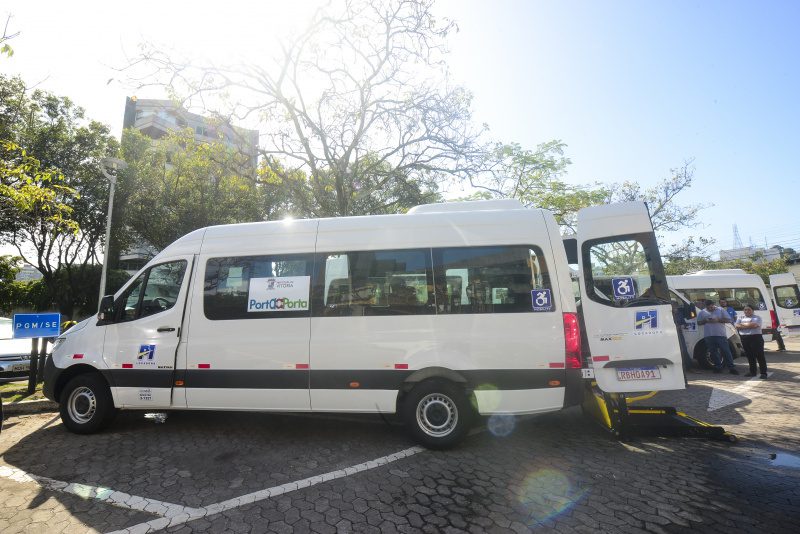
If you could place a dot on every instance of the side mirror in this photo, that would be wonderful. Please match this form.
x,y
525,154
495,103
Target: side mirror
x,y
106,312
689,310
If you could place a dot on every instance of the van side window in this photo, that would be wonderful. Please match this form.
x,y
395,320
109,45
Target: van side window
x,y
258,287
737,297
787,297
620,271
127,305
499,279
161,283
377,282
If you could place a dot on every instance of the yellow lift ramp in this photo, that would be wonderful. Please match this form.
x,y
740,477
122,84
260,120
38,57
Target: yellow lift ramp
x,y
611,411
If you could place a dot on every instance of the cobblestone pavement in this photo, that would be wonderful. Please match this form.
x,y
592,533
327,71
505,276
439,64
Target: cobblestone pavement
x,y
208,472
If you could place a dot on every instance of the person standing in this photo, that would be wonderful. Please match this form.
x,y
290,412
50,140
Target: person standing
x,y
723,303
713,320
749,328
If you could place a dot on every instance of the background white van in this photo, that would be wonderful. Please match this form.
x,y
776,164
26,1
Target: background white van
x,y
786,297
734,285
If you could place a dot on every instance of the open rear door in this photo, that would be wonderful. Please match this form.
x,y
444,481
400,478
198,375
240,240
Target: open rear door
x,y
786,296
625,301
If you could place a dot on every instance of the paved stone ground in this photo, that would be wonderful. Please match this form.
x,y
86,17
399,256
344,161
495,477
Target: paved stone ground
x,y
555,472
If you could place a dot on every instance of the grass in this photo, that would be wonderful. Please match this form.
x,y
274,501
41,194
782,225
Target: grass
x,y
18,391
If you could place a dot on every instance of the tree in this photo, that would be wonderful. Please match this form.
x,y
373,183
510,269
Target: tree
x,y
9,267
359,102
534,178
180,184
53,199
5,48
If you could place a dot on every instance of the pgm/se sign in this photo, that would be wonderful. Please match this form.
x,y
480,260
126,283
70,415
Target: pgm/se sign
x,y
29,325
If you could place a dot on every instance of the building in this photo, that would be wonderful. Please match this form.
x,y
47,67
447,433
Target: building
x,y
747,253
155,118
28,273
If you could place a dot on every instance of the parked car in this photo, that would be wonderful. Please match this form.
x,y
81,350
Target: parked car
x,y
15,354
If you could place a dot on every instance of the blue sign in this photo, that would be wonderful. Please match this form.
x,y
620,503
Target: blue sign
x,y
623,287
28,325
146,352
646,320
542,300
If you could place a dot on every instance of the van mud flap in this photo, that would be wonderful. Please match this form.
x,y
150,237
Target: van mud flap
x,y
612,412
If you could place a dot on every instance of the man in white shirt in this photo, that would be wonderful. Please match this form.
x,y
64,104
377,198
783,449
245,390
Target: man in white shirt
x,y
713,320
749,328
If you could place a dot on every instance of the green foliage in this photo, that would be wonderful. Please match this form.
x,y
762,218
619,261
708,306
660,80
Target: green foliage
x,y
665,212
534,178
756,265
53,197
9,267
31,195
372,187
73,292
180,184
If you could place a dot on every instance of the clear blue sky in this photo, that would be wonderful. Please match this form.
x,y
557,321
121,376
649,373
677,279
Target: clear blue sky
x,y
634,88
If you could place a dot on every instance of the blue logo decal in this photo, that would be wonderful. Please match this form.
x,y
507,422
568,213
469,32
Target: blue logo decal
x,y
646,320
541,300
796,313
146,353
623,287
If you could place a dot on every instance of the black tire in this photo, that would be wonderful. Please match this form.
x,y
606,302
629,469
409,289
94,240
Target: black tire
x,y
703,356
437,414
86,405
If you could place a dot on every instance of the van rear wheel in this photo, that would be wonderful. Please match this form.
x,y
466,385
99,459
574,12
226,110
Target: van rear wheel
x,y
437,414
86,405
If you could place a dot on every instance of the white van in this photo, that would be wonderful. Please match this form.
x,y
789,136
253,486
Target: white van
x,y
734,285
786,298
428,314
693,334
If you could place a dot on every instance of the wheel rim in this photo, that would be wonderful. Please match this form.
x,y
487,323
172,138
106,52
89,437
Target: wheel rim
x,y
437,415
82,405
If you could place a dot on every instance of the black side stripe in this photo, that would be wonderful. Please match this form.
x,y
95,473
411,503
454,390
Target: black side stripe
x,y
369,379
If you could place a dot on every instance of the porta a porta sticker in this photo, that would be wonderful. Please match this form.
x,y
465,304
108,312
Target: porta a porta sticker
x,y
542,300
646,320
797,313
279,293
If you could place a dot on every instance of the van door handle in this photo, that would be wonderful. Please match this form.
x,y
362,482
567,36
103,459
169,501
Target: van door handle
x,y
165,329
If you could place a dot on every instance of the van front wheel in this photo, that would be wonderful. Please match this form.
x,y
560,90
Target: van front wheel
x,y
86,405
437,414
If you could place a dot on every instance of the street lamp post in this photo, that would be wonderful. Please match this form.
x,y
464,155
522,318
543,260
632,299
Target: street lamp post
x,y
114,165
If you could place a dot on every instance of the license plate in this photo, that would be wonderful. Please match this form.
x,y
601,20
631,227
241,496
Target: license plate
x,y
20,367
639,373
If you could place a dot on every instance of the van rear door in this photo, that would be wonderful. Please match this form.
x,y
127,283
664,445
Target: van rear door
x,y
786,296
625,301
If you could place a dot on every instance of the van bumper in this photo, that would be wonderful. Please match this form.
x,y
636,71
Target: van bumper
x,y
51,374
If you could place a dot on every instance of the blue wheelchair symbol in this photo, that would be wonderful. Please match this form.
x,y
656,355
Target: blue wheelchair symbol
x,y
541,300
623,287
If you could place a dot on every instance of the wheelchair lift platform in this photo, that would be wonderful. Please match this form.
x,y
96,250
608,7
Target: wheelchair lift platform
x,y
613,413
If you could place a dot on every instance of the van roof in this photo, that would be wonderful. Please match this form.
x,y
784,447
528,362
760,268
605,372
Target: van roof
x,y
468,205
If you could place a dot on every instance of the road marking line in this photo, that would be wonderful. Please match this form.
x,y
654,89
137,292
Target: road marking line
x,y
190,514
721,397
98,493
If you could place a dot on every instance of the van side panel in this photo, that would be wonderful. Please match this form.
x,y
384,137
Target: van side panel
x,y
249,362
514,360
